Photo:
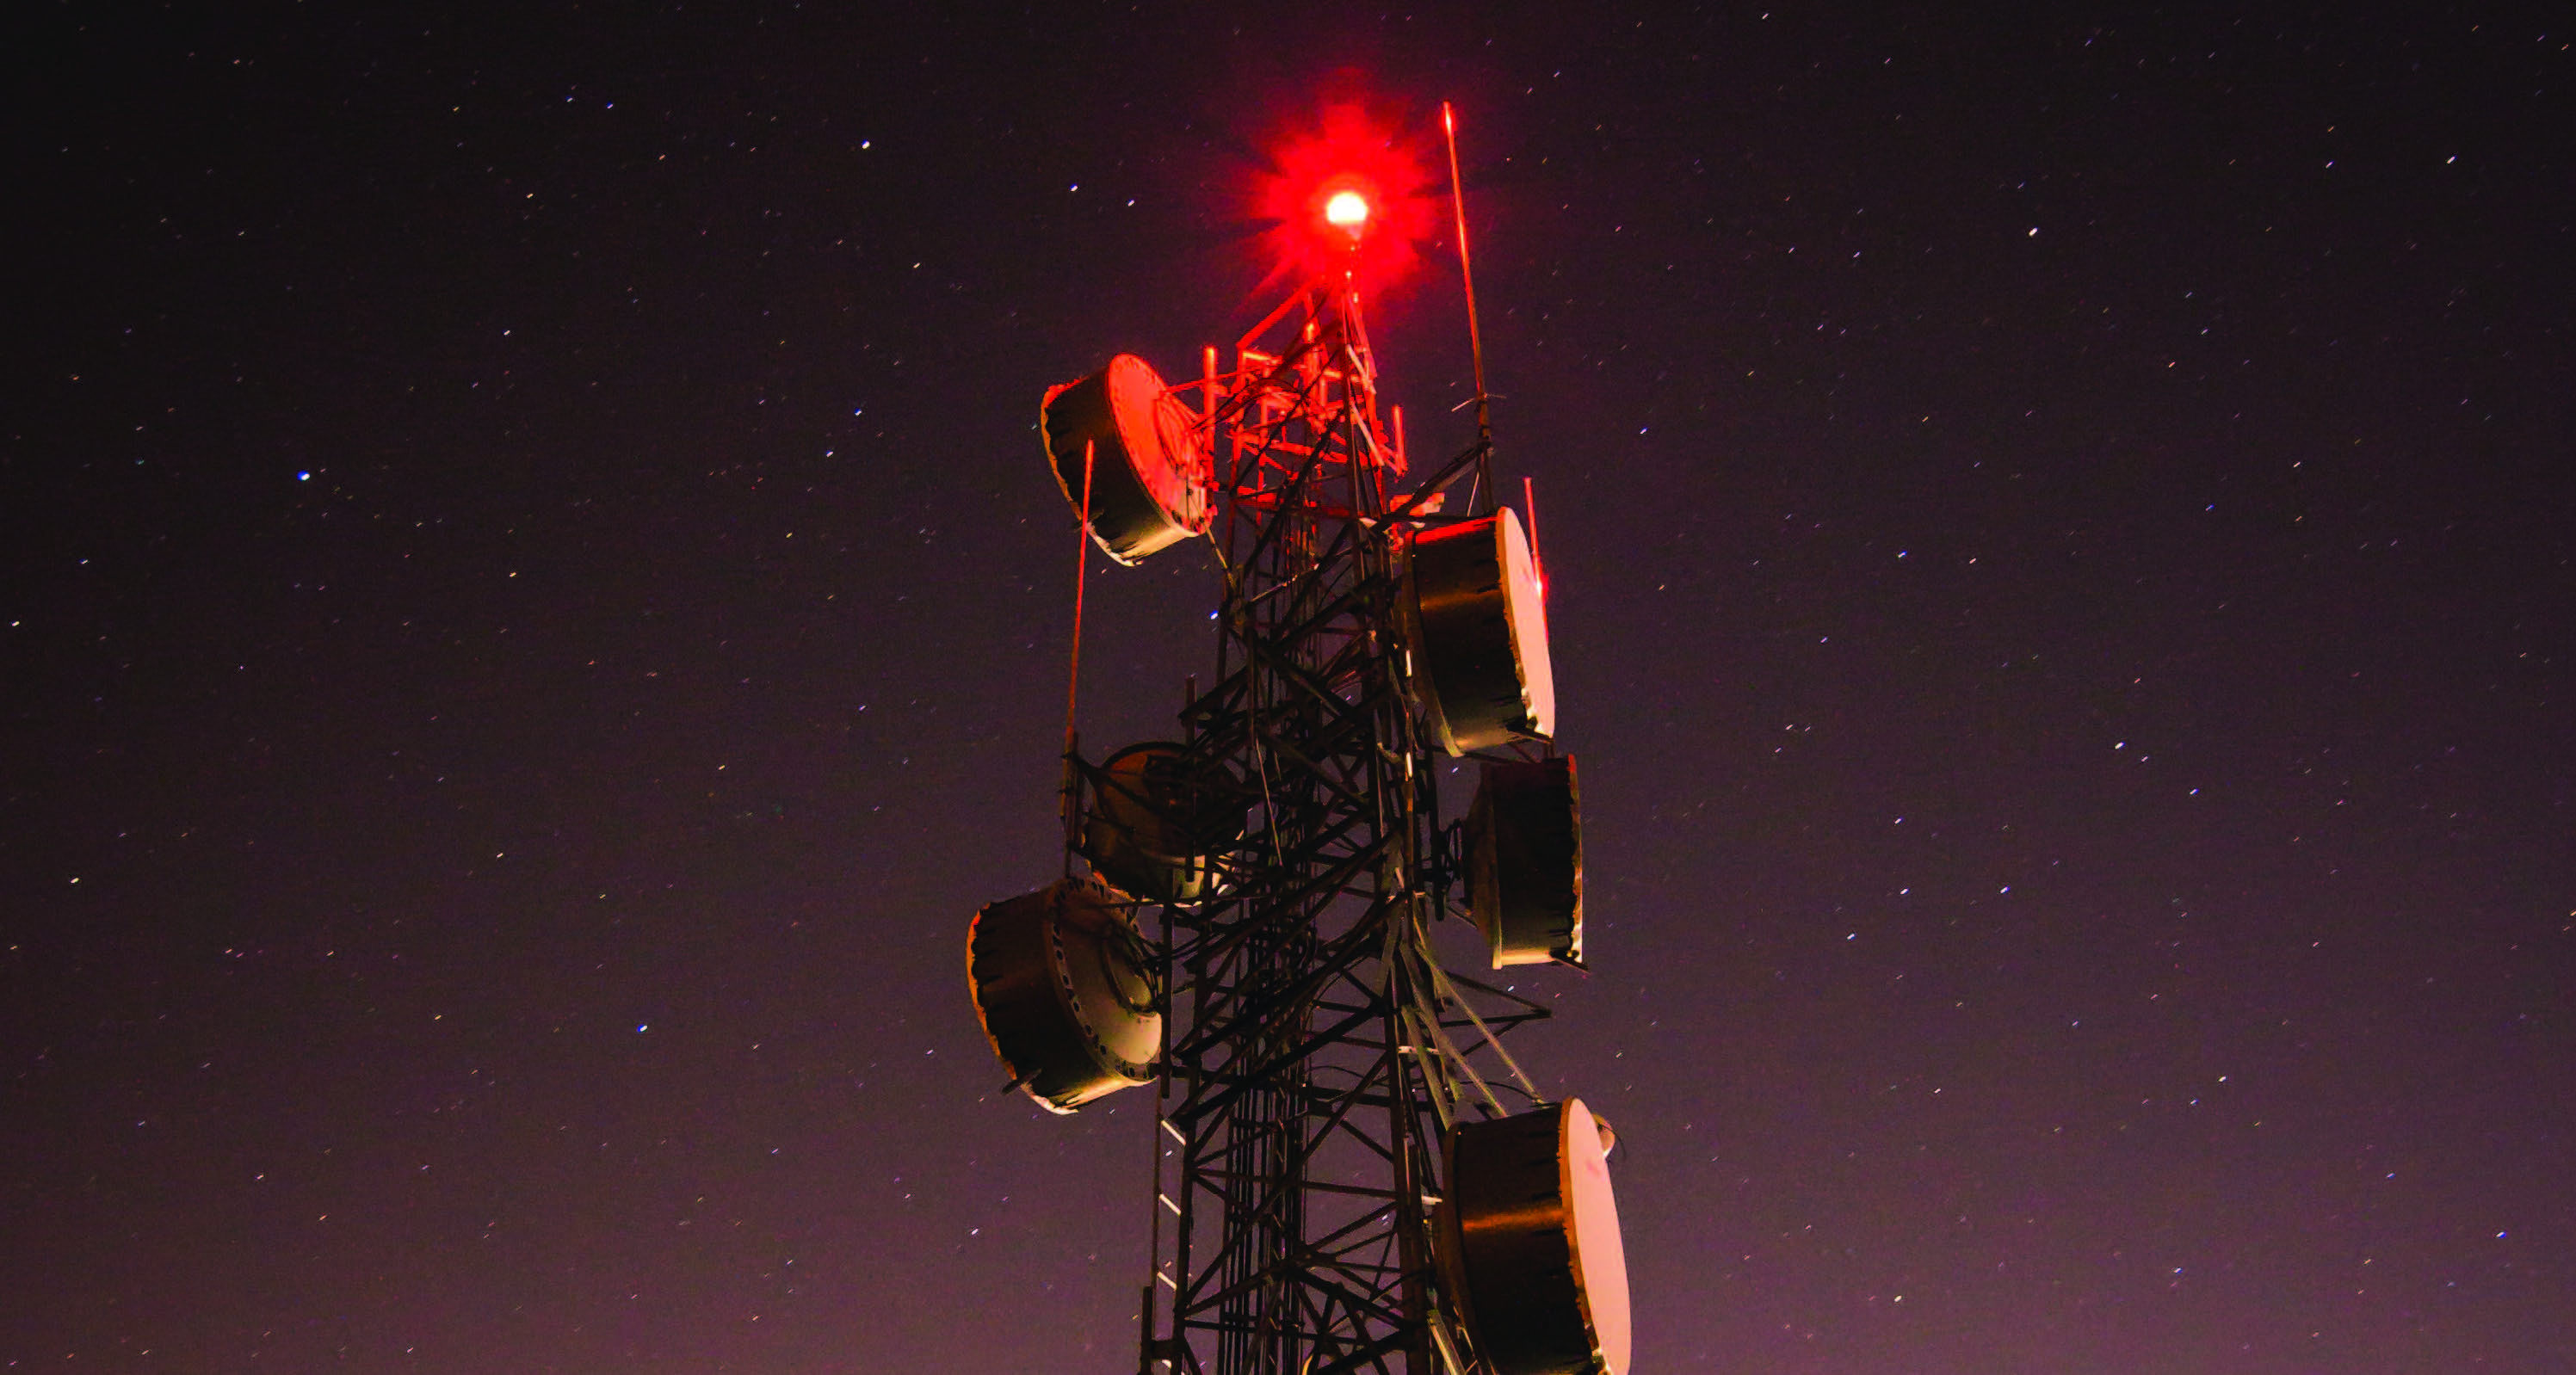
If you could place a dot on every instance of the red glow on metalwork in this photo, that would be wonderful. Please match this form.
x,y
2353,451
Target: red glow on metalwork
x,y
1348,190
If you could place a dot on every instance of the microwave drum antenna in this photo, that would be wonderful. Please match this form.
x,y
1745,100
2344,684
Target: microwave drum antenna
x,y
1065,990
1532,1241
1478,633
1525,862
1157,818
1151,476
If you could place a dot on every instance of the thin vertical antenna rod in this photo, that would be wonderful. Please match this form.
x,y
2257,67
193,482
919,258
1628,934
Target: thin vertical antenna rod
x,y
1081,566
1073,671
1529,512
1467,274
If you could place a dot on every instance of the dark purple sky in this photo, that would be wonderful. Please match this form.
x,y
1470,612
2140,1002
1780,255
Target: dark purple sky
x,y
534,612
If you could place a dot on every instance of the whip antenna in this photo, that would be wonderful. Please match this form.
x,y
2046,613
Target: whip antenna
x,y
1467,274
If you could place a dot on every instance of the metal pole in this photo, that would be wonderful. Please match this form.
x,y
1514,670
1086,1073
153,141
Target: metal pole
x,y
1467,275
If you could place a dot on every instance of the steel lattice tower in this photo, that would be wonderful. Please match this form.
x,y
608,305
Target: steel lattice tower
x,y
1340,1183
1316,1057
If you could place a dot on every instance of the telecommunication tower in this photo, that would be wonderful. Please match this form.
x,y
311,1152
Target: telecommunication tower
x,y
1352,1172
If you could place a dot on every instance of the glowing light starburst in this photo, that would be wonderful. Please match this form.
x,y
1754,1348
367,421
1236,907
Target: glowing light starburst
x,y
1350,190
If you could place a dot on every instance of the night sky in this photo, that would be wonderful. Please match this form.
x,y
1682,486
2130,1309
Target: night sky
x,y
534,612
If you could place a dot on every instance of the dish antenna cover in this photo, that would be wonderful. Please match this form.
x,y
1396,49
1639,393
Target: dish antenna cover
x,y
1525,862
1065,990
1532,1236
1478,631
1148,465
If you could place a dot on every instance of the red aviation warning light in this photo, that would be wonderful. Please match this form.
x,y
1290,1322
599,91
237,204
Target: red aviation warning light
x,y
1348,212
1349,181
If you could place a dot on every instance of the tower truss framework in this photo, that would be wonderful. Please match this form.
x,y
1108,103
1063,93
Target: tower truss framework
x,y
1316,1052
